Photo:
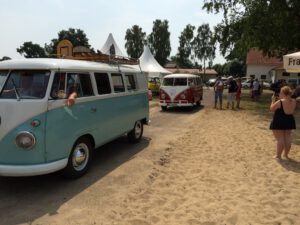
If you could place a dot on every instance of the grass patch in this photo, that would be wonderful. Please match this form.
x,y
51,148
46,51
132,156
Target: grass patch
x,y
263,103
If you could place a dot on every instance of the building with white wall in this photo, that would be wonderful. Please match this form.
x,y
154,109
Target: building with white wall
x,y
260,66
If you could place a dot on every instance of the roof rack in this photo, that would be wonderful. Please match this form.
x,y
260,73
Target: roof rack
x,y
66,50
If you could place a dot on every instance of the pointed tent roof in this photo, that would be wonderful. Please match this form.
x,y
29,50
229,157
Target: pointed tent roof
x,y
111,47
149,64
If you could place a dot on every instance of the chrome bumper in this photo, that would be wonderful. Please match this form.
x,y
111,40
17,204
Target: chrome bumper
x,y
32,170
176,104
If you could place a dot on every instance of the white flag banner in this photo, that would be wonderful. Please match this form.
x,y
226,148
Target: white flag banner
x,y
291,62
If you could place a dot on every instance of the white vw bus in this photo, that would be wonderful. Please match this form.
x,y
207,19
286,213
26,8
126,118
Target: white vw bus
x,y
40,132
181,90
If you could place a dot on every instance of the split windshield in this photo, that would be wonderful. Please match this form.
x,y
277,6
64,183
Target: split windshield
x,y
24,84
175,82
3,75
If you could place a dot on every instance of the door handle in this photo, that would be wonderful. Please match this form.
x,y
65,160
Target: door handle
x,y
93,109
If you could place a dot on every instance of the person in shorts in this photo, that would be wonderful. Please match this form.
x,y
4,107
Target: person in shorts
x,y
232,88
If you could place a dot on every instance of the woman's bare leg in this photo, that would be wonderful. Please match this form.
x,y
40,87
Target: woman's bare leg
x,y
287,142
279,135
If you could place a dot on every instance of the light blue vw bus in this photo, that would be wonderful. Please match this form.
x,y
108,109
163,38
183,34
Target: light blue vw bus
x,y
40,132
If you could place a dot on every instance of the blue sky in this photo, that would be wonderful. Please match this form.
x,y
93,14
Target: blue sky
x,y
40,21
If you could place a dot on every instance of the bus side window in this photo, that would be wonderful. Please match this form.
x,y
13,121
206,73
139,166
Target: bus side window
x,y
80,83
118,82
86,85
58,90
103,84
130,81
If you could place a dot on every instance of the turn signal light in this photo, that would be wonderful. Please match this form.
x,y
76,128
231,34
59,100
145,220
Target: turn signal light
x,y
35,123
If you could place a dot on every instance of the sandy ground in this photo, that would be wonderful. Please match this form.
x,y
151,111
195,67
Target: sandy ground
x,y
217,169
219,172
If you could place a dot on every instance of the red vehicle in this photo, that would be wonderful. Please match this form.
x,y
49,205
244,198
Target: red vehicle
x,y
181,90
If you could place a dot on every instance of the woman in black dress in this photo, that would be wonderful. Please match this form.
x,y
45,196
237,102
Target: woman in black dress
x,y
283,120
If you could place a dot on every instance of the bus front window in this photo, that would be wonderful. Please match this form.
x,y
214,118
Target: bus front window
x,y
168,81
180,82
26,84
3,75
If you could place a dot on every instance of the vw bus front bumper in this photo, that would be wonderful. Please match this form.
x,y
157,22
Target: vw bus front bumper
x,y
32,170
182,103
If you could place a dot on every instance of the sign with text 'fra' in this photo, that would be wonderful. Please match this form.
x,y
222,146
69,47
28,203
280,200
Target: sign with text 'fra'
x,y
291,62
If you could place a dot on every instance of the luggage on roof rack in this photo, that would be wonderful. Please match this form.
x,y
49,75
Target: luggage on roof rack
x,y
66,50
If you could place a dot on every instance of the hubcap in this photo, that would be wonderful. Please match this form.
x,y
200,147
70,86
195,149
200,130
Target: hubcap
x,y
80,156
138,129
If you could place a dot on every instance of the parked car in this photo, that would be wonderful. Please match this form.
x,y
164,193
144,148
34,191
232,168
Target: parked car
x,y
211,82
266,84
246,84
243,79
225,81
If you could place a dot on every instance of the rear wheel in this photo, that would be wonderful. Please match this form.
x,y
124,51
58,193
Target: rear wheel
x,y
79,159
136,134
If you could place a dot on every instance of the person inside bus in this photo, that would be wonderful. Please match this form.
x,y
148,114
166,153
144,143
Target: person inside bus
x,y
58,87
26,82
58,90
72,95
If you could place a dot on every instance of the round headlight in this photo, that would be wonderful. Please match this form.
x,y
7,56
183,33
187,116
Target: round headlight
x,y
163,96
25,140
182,96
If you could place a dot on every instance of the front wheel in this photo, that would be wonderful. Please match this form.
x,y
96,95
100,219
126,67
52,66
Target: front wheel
x,y
79,159
136,134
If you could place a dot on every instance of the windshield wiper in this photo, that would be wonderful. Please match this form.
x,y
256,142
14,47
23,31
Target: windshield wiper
x,y
15,89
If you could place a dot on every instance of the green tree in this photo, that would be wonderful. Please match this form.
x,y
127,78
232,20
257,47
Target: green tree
x,y
236,68
218,68
30,50
226,69
76,36
233,68
210,64
185,47
204,44
5,58
271,25
135,41
159,41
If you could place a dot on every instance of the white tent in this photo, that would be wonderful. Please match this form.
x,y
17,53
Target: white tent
x,y
291,62
149,64
110,47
